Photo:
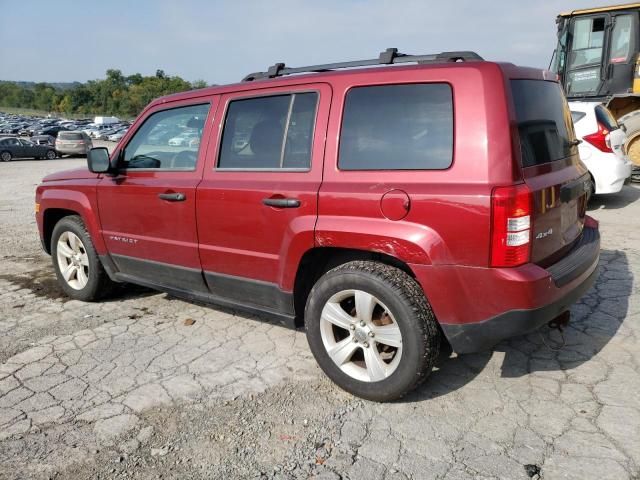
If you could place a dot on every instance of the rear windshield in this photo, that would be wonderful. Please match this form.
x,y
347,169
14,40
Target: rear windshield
x,y
604,117
70,136
544,121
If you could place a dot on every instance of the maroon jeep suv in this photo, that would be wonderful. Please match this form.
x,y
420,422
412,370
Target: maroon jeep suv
x,y
384,209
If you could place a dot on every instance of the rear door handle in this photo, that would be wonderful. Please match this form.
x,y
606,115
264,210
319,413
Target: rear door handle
x,y
281,202
173,197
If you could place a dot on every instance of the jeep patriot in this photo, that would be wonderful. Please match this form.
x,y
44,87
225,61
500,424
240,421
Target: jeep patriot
x,y
385,208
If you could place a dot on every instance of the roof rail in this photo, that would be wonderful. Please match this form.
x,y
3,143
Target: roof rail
x,y
388,57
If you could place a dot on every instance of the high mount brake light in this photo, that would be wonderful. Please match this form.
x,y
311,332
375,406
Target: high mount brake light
x,y
511,211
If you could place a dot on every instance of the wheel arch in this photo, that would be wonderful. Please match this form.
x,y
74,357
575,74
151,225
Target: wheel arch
x,y
63,203
317,261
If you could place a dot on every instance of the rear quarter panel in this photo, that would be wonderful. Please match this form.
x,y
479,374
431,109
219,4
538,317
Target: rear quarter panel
x,y
448,221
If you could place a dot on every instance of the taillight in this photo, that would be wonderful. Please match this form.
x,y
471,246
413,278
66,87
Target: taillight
x,y
600,139
511,210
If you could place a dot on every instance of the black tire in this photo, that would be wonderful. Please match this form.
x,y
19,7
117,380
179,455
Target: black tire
x,y
6,156
405,300
51,155
99,284
591,188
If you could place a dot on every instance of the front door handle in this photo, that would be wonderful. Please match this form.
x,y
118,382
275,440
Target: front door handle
x,y
281,202
173,197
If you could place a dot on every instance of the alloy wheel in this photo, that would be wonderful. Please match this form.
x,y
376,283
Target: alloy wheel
x,y
73,260
361,335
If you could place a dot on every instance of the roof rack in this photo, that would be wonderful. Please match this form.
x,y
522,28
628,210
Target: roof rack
x,y
388,57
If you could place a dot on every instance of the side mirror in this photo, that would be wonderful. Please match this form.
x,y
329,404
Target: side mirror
x,y
98,160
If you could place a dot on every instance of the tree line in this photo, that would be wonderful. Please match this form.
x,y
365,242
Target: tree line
x,y
117,94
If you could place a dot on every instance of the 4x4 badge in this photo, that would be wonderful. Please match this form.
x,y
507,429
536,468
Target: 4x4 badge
x,y
544,234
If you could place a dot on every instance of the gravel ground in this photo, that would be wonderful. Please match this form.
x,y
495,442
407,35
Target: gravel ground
x,y
147,386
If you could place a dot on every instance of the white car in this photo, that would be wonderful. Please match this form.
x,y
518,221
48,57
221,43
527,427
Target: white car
x,y
602,146
183,139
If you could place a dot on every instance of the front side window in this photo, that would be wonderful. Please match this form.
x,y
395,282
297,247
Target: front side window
x,y
397,127
266,133
621,39
169,139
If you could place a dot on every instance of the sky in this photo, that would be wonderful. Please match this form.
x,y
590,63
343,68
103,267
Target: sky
x,y
222,41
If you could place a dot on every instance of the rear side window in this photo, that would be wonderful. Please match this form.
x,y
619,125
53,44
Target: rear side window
x,y
605,118
544,121
70,136
268,133
397,127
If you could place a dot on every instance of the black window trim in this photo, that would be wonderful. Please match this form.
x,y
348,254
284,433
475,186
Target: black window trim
x,y
391,170
232,98
151,114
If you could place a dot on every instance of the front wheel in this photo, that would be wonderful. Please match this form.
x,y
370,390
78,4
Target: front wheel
x,y
371,330
5,156
78,268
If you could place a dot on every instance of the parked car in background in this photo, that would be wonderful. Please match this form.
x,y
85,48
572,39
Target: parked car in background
x,y
44,140
346,212
117,136
602,146
183,139
11,148
73,143
53,131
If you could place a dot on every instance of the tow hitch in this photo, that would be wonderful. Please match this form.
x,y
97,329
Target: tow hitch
x,y
559,323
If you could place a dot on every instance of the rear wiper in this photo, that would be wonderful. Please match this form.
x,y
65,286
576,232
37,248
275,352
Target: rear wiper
x,y
575,143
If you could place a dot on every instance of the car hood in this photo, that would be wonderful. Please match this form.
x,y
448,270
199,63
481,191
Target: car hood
x,y
74,174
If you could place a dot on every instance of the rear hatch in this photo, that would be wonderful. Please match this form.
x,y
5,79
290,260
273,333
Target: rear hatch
x,y
551,168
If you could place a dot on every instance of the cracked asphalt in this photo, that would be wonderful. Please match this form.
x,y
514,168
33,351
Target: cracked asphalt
x,y
148,386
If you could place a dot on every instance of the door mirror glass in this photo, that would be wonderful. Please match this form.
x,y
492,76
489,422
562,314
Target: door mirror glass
x,y
98,160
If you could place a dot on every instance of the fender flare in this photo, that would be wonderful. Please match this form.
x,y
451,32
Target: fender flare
x,y
80,203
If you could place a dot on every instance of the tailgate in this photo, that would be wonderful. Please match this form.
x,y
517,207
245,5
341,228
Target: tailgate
x,y
559,206
551,167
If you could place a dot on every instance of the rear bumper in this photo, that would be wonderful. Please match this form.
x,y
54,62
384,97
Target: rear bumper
x,y
479,307
67,150
611,178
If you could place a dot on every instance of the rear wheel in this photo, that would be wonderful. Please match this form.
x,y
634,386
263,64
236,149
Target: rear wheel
x,y
78,268
371,330
5,156
51,154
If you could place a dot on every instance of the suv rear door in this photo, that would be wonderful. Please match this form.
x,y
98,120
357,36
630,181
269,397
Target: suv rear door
x,y
551,167
258,201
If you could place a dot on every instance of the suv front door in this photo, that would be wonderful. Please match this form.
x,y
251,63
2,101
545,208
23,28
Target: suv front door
x,y
147,211
258,201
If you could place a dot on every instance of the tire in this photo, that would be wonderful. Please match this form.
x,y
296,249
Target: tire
x,y
631,122
86,278
51,155
6,156
591,188
375,363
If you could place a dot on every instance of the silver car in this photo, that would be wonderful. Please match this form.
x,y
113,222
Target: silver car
x,y
73,143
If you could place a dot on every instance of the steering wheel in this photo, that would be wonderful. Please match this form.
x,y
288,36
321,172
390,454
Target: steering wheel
x,y
184,159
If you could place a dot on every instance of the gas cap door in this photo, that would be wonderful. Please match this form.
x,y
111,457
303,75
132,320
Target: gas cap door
x,y
395,204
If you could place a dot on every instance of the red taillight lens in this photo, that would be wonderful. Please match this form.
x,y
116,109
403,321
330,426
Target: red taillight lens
x,y
511,210
599,139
